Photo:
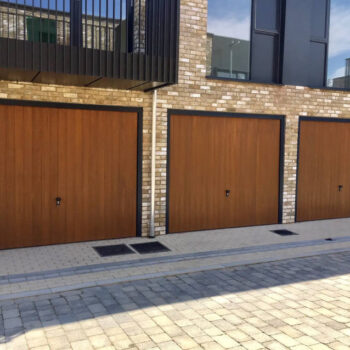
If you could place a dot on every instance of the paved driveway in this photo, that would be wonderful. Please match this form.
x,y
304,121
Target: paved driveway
x,y
292,304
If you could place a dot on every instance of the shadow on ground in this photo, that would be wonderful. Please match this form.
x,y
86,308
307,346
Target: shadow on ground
x,y
23,315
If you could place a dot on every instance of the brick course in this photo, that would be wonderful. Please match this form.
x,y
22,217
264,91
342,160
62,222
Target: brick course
x,y
195,92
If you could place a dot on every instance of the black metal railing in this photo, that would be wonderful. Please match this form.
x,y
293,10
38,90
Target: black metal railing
x,y
103,39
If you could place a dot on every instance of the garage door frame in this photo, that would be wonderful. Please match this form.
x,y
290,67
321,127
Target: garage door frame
x,y
310,119
199,113
138,110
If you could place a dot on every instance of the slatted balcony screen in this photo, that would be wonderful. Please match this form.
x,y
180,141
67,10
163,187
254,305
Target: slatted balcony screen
x,y
128,39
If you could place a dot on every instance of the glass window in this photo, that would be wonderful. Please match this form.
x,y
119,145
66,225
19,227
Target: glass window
x,y
41,30
228,38
339,45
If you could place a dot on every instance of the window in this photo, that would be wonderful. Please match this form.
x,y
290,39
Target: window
x,y
228,39
339,45
41,30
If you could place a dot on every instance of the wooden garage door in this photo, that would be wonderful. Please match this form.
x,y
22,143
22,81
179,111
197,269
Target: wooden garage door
x,y
86,157
212,155
324,170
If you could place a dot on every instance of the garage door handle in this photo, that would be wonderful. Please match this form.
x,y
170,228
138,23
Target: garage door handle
x,y
58,201
340,188
228,193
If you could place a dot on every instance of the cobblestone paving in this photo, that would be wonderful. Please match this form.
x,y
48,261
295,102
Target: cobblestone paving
x,y
293,304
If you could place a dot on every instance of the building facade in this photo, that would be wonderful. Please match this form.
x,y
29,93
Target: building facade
x,y
230,151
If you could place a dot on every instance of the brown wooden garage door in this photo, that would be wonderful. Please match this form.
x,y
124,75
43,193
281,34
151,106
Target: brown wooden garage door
x,y
324,170
210,155
86,157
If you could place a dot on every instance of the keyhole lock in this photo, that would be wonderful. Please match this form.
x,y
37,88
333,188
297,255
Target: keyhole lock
x,y
340,188
228,193
58,201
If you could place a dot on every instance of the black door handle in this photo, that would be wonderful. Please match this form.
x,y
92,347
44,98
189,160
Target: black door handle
x,y
228,193
340,188
58,201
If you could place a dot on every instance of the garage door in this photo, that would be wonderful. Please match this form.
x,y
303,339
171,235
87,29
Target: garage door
x,y
224,172
324,170
66,175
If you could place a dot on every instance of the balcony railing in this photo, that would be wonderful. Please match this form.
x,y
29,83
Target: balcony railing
x,y
111,43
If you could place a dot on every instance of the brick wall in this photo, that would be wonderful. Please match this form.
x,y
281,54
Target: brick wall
x,y
195,92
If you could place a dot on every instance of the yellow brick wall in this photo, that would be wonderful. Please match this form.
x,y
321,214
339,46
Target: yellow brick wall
x,y
195,92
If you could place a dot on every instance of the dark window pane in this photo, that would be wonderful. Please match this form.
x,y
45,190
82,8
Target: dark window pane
x,y
318,19
339,45
266,16
228,38
41,30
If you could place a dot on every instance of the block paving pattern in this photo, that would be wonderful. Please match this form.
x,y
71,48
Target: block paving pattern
x,y
292,304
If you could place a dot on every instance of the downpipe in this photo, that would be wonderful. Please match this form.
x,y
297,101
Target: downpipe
x,y
153,163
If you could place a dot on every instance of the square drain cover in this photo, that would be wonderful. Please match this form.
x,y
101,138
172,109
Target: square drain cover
x,y
284,232
148,248
111,250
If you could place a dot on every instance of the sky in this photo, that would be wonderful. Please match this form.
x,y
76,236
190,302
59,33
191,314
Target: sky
x,y
230,18
339,38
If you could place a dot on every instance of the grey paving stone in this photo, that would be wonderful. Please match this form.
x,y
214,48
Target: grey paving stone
x,y
258,306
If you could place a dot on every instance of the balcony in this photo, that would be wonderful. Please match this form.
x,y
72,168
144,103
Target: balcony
x,y
124,44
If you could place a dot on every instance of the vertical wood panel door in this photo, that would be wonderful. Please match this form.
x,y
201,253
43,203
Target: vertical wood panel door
x,y
323,171
97,174
28,175
87,158
212,155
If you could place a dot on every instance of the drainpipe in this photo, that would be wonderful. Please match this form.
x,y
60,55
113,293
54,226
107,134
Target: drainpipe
x,y
153,163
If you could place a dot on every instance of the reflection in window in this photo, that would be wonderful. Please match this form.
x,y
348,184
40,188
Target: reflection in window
x,y
228,38
339,45
41,30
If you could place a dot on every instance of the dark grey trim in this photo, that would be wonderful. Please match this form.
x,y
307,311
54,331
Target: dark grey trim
x,y
139,172
310,119
242,80
137,110
281,118
324,119
281,168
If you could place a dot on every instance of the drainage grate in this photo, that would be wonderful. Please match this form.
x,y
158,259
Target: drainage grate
x,y
284,232
111,250
148,248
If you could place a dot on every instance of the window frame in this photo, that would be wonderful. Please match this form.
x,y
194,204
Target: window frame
x,y
214,77
279,53
344,89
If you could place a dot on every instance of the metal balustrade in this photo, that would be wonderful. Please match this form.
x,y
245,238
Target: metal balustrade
x,y
112,43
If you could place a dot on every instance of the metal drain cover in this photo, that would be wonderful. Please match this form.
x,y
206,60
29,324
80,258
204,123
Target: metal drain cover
x,y
149,248
112,250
